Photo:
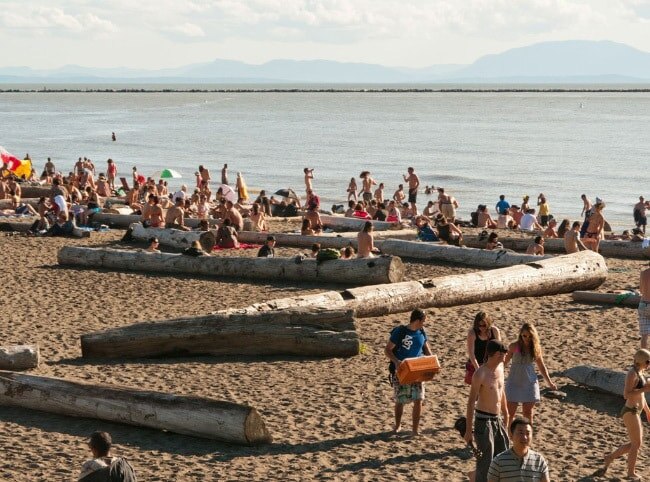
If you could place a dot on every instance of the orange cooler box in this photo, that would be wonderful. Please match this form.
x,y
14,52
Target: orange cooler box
x,y
420,369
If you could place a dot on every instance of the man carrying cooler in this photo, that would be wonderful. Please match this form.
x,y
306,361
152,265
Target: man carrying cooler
x,y
408,341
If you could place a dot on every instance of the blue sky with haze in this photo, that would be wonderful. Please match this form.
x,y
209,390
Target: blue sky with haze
x,y
416,33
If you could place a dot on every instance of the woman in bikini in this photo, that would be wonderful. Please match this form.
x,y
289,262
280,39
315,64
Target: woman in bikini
x,y
352,190
595,227
636,386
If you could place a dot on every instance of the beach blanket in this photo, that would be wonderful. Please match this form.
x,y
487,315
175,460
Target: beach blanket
x,y
241,246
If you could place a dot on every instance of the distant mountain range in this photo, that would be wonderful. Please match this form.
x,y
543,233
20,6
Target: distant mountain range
x,y
575,61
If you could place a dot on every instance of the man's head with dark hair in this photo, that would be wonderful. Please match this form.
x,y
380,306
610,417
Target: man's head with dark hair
x,y
417,315
518,421
502,197
100,443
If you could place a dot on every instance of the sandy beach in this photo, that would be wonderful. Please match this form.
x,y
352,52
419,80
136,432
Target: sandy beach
x,y
330,418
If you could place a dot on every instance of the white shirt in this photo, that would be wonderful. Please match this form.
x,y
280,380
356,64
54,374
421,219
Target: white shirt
x,y
527,222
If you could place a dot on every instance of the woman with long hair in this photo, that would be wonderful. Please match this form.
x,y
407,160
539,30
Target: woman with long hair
x,y
522,385
478,336
636,385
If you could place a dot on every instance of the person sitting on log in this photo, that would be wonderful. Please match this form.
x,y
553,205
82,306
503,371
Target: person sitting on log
x,y
153,245
103,467
305,229
550,231
267,250
381,213
366,242
350,211
234,216
493,242
175,217
258,217
425,231
347,252
537,247
62,226
484,220
448,232
314,218
195,250
227,235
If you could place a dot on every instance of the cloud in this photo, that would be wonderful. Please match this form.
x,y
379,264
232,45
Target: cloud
x,y
42,18
187,29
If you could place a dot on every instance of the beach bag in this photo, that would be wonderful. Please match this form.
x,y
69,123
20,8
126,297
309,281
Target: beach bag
x,y
327,254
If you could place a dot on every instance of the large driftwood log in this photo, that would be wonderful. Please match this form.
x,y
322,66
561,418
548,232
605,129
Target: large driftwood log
x,y
604,379
23,227
621,299
609,248
341,222
19,357
296,331
454,254
195,416
207,239
35,191
123,221
384,269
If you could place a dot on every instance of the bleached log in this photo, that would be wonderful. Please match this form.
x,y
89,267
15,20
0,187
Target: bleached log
x,y
341,222
453,254
123,221
23,227
609,248
35,191
188,415
19,357
384,269
173,238
117,209
603,379
299,331
621,299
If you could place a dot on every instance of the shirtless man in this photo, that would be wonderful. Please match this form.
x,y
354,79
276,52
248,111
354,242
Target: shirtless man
x,y
50,169
175,217
640,216
644,307
224,174
309,177
487,400
366,242
586,205
14,188
572,243
414,184
399,195
236,219
366,186
156,216
536,248
314,218
551,231
205,176
145,217
595,227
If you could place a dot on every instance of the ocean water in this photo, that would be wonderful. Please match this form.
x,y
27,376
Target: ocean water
x,y
477,145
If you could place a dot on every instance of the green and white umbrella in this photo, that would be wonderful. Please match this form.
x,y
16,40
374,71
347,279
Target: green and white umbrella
x,y
167,174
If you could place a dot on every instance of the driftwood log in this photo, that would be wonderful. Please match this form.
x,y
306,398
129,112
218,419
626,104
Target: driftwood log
x,y
123,221
173,238
454,254
604,379
23,227
338,223
19,357
609,248
383,269
298,331
563,274
621,299
188,415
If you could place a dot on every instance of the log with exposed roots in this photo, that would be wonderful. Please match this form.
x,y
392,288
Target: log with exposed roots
x,y
296,331
383,269
188,415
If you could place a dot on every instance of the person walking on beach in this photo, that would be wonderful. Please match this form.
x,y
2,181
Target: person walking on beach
x,y
636,386
366,186
639,212
408,341
522,385
644,307
478,336
519,462
414,184
352,190
487,402
572,242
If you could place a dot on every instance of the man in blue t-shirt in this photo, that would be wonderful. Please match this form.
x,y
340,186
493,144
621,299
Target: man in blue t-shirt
x,y
503,205
408,341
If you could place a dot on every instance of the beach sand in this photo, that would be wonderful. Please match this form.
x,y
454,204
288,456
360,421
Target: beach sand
x,y
330,419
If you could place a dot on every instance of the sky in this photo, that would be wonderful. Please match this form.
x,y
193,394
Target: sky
x,y
154,34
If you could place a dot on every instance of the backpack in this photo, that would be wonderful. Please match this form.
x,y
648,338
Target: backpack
x,y
327,254
401,334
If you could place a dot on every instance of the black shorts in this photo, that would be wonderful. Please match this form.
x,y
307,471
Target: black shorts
x,y
413,195
643,221
367,196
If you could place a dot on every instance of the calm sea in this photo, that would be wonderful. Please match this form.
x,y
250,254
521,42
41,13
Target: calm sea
x,y
476,145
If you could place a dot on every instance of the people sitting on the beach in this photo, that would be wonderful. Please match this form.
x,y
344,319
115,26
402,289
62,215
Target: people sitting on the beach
x,y
550,231
258,218
572,242
234,216
562,229
153,245
103,467
315,248
227,235
536,247
516,214
399,196
430,210
529,222
195,250
493,242
93,205
394,215
305,229
425,231
505,221
21,208
360,212
14,187
267,250
407,211
313,217
448,232
175,217
347,252
483,218
103,187
381,213
62,227
350,211
371,208
366,242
